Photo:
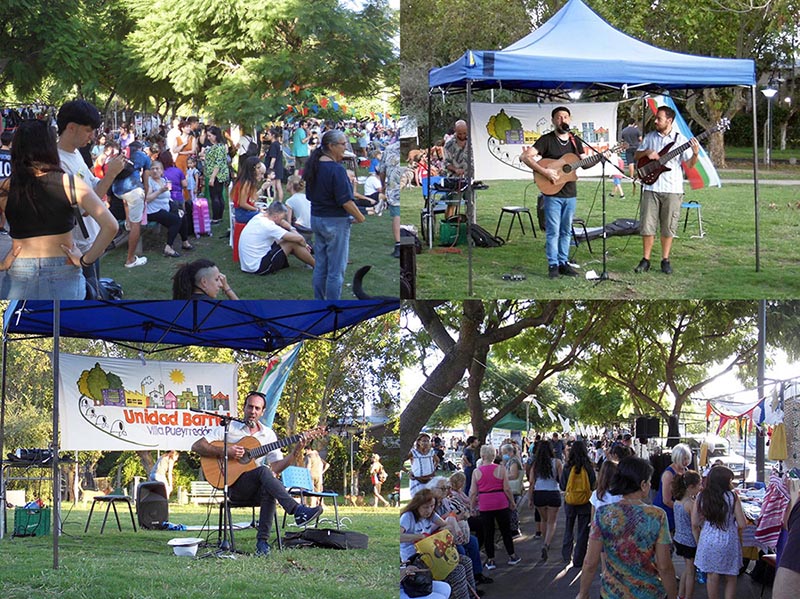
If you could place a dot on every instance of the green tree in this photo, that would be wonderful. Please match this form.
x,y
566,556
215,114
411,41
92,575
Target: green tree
x,y
660,354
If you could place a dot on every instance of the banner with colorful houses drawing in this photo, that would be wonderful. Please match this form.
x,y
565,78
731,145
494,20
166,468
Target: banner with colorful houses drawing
x,y
117,404
500,131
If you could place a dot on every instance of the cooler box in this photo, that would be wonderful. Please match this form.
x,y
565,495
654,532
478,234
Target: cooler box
x,y
454,233
237,231
32,522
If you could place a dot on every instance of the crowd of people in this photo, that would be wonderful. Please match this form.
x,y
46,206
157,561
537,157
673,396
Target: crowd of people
x,y
622,517
69,184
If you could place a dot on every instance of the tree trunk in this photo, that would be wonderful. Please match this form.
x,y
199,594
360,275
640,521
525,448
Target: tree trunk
x,y
477,372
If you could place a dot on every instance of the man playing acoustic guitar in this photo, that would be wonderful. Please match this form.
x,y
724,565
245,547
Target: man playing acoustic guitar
x,y
559,208
661,199
256,485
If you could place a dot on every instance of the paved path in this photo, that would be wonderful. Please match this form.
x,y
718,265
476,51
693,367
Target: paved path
x,y
556,580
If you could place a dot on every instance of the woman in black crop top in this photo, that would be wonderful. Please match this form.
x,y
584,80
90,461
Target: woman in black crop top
x,y
38,204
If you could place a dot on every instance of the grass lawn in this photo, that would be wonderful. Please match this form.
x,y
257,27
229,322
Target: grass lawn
x,y
142,565
370,243
720,265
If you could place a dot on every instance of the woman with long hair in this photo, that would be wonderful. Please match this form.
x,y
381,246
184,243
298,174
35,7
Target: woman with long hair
x,y
38,202
249,185
716,520
216,171
332,210
544,493
185,145
200,279
635,538
577,513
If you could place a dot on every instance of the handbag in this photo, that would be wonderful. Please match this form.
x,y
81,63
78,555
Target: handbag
x,y
439,553
73,200
420,582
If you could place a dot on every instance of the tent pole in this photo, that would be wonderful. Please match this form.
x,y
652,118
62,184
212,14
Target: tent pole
x,y
428,207
755,174
3,438
56,470
470,191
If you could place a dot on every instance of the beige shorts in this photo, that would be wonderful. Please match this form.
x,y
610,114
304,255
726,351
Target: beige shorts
x,y
134,200
660,211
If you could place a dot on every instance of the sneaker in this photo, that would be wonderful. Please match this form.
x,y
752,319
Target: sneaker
x,y
481,579
305,514
538,535
544,553
666,267
567,270
262,548
396,252
644,266
622,197
137,261
513,561
490,565
552,271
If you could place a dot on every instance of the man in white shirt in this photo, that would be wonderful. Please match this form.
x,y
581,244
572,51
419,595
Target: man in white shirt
x,y
268,240
259,484
77,122
661,200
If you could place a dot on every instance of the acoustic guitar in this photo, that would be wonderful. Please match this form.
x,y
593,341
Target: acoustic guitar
x,y
567,167
650,169
212,466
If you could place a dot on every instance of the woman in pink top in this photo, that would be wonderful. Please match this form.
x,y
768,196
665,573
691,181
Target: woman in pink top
x,y
490,491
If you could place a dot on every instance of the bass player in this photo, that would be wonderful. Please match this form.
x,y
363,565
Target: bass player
x,y
259,485
661,200
559,208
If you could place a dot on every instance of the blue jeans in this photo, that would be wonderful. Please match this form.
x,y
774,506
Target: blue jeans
x,y
45,278
243,216
331,247
472,550
558,213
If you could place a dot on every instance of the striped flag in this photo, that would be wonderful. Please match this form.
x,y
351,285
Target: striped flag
x,y
274,379
703,173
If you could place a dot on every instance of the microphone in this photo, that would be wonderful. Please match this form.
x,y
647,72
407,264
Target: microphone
x,y
563,128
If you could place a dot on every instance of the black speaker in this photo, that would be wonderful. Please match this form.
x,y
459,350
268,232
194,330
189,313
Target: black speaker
x,y
653,427
673,432
152,505
640,429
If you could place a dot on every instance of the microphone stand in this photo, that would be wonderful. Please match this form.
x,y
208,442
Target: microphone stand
x,y
604,276
225,547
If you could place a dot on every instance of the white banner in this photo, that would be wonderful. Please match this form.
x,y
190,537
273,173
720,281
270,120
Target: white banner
x,y
116,404
500,130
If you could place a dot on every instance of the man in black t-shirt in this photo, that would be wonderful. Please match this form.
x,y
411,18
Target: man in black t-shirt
x,y
559,208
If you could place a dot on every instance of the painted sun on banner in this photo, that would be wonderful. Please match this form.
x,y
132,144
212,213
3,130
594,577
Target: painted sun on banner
x,y
115,404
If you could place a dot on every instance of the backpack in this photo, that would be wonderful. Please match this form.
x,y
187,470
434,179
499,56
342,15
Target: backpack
x,y
578,489
483,239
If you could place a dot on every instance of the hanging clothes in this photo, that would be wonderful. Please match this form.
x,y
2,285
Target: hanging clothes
x,y
772,510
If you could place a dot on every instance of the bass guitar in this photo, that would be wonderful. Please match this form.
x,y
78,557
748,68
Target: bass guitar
x,y
213,466
650,169
567,166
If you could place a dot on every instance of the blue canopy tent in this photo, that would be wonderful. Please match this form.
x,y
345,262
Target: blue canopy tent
x,y
604,59
243,325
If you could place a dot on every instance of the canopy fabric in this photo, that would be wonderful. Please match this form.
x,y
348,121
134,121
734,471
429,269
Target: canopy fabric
x,y
243,325
547,59
512,423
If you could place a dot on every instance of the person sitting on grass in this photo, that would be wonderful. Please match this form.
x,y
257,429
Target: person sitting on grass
x,y
366,204
268,240
200,279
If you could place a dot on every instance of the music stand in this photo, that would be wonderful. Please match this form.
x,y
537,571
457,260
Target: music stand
x,y
225,547
603,160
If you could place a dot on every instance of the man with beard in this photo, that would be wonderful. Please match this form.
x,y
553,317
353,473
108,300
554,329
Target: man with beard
x,y
258,485
661,200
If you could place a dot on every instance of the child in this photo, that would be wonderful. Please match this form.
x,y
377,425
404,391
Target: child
x,y
684,490
616,176
192,178
716,518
